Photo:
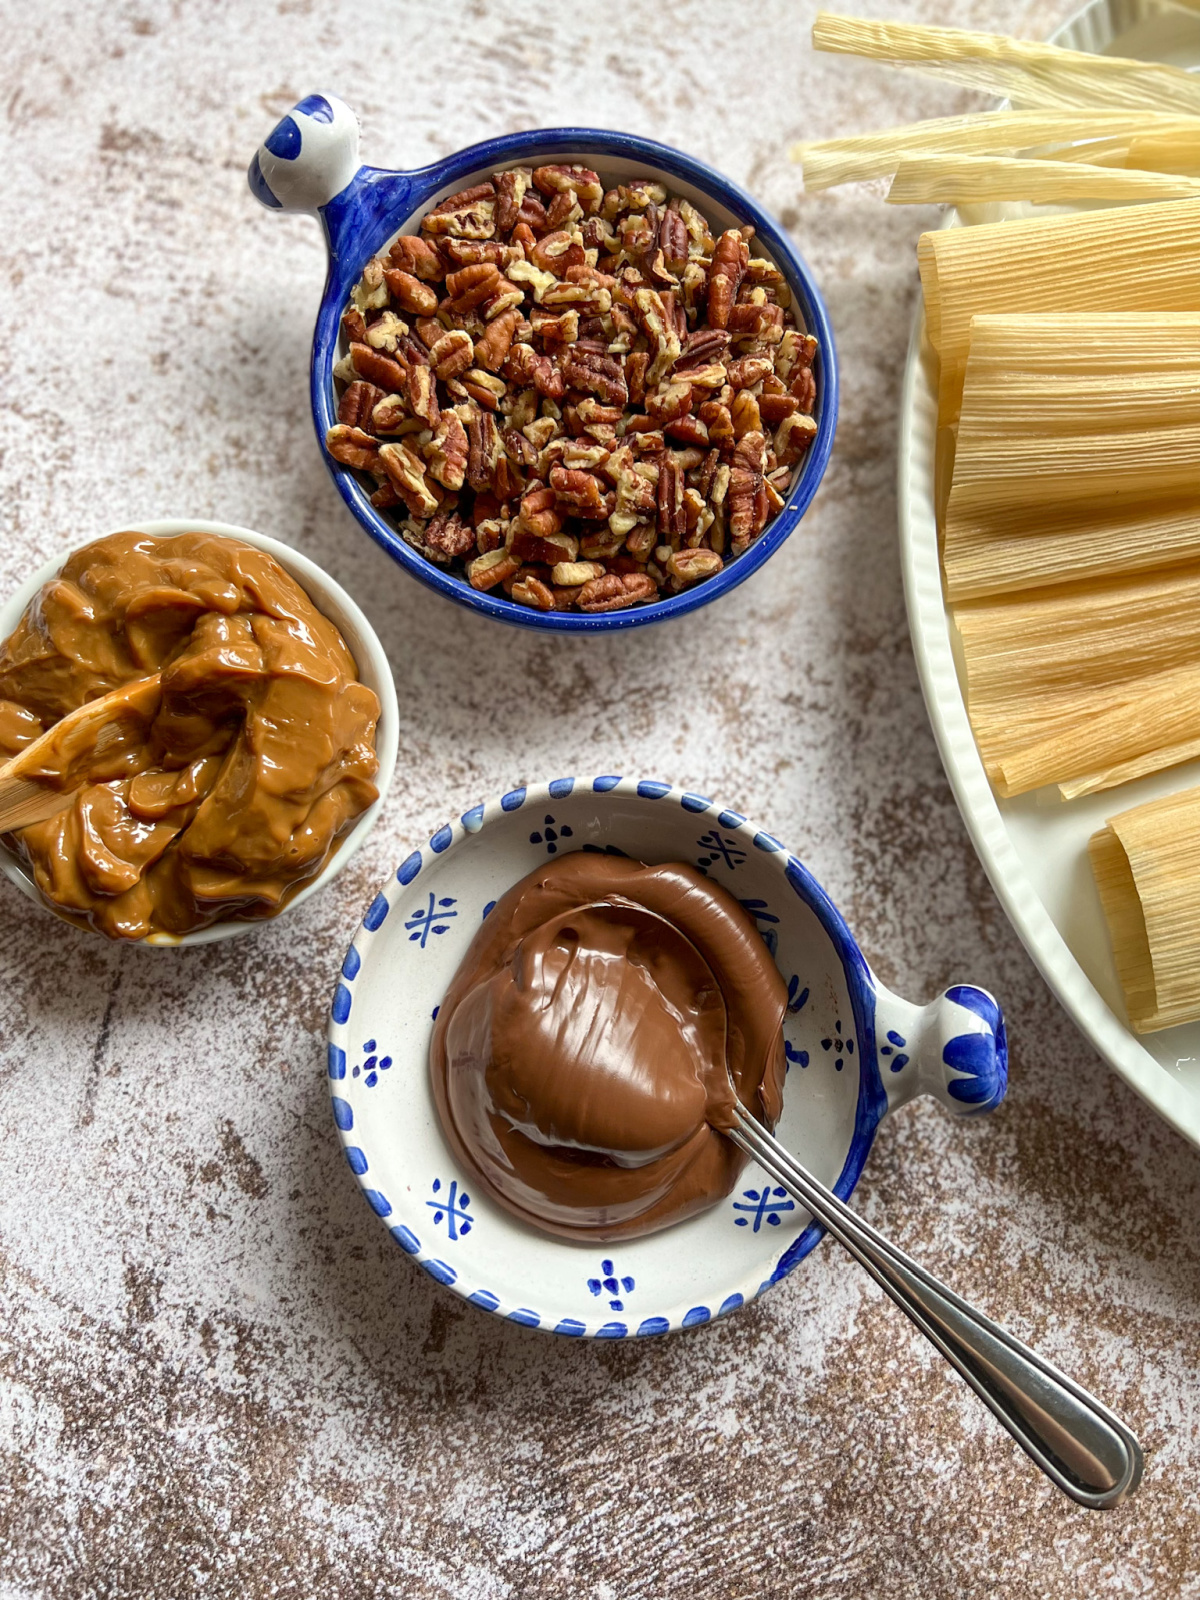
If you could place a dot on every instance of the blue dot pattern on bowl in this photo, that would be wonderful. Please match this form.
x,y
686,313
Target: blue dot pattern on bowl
x,y
757,1209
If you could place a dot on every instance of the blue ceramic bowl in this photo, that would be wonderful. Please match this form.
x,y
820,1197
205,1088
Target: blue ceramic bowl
x,y
855,1052
309,162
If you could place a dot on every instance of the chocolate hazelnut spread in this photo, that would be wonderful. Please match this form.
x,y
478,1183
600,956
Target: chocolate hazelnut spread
x,y
231,782
588,1052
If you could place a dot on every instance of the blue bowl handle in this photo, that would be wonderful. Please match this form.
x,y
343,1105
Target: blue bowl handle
x,y
955,1049
309,157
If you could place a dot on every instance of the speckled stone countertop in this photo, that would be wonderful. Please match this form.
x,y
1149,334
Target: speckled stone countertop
x,y
218,1376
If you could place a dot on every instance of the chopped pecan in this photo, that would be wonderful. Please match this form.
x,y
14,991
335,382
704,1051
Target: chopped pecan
x,y
583,181
570,574
804,388
410,294
493,348
744,412
749,370
688,431
671,523
417,257
446,453
555,330
658,324
421,395
486,571
532,215
386,333
531,591
564,208
730,259
407,472
524,366
392,416
470,286
474,219
378,369
673,238
673,401
470,252
579,493
485,449
636,363
557,251
762,322
511,189
354,325
466,197
357,403
689,566
483,387
774,407
617,590
794,437
717,420
452,354
448,534
352,447
370,293
600,375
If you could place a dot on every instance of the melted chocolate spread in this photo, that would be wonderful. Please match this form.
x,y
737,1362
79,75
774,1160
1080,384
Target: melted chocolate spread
x,y
587,1054
226,793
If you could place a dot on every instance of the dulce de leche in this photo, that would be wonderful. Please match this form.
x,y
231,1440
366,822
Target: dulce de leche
x,y
228,789
586,1057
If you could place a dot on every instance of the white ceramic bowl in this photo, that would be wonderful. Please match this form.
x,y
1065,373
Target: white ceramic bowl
x,y
373,670
854,1053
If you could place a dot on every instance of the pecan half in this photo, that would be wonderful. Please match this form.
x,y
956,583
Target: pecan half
x,y
452,354
615,591
352,447
447,451
417,257
410,294
407,472
357,403
449,535
730,258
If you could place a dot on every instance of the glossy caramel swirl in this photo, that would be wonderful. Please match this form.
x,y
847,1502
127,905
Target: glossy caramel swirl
x,y
229,791
588,1052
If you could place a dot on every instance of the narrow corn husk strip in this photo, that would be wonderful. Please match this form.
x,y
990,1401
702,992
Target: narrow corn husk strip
x,y
1147,867
1130,771
876,155
1130,258
973,180
1027,73
1077,451
1066,682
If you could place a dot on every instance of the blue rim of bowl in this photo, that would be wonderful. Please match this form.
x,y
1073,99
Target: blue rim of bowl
x,y
359,222
870,1108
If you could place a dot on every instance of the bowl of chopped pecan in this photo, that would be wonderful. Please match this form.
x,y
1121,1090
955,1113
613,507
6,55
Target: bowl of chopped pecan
x,y
570,378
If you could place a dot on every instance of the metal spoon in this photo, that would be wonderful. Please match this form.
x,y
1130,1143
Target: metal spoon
x,y
1078,1443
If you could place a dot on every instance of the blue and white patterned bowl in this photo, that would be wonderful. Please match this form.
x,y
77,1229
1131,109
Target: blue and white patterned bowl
x,y
854,1051
309,162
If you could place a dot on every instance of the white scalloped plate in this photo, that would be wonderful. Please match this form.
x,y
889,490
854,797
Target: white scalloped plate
x,y
1034,848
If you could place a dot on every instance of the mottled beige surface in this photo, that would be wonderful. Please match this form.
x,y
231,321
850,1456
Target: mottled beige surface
x,y
219,1377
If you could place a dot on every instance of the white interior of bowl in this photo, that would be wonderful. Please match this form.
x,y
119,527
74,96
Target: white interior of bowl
x,y
414,937
373,670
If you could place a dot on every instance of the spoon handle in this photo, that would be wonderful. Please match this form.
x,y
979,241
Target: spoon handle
x,y
1078,1443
